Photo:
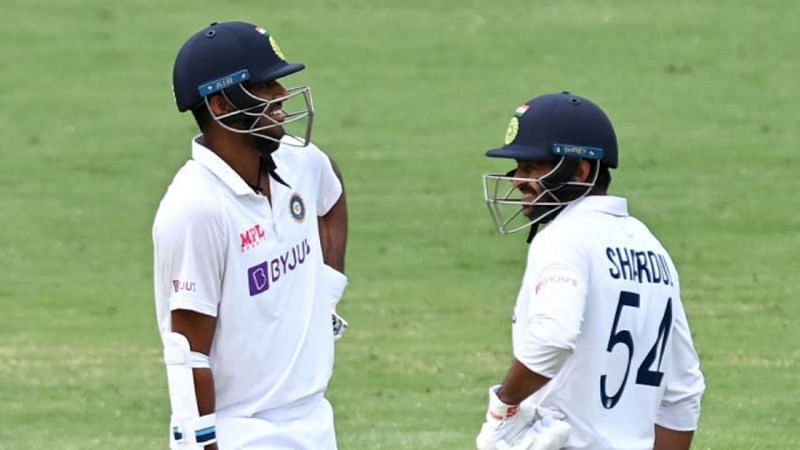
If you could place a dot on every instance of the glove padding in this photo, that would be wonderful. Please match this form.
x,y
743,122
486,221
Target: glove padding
x,y
521,427
547,433
504,423
339,326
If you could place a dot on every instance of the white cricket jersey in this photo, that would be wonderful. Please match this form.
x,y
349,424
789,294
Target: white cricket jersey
x,y
223,250
600,313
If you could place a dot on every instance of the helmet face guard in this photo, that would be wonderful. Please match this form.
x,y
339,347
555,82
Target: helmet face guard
x,y
508,209
254,115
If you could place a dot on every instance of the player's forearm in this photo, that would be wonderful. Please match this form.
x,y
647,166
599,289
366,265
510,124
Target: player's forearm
x,y
204,390
667,439
520,383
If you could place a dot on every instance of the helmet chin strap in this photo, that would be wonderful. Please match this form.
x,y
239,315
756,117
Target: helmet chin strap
x,y
532,233
266,165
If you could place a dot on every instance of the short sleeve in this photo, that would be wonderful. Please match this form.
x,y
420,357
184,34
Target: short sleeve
x,y
329,187
557,277
680,406
189,247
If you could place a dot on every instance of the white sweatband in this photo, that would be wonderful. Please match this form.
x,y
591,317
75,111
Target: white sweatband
x,y
498,410
198,360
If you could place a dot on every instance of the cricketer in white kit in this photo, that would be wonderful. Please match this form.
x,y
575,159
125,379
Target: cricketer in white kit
x,y
249,248
602,347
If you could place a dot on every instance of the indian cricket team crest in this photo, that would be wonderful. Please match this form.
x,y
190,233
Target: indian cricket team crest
x,y
297,208
272,43
512,130
276,48
513,126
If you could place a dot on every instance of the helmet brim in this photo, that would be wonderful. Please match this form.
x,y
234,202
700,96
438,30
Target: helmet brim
x,y
278,71
520,152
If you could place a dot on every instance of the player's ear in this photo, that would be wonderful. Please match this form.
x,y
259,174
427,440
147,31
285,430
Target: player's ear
x,y
219,105
582,171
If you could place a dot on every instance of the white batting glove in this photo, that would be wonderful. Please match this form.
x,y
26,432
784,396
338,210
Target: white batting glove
x,y
505,424
547,433
335,282
339,326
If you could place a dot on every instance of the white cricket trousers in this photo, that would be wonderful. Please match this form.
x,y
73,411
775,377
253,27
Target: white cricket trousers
x,y
309,427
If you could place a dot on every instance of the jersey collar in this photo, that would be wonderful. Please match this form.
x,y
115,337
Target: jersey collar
x,y
607,204
218,167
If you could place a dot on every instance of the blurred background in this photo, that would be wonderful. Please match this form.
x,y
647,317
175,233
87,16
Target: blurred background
x,y
409,94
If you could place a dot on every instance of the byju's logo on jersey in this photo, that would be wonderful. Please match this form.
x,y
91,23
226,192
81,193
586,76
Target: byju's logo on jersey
x,y
252,237
297,208
182,285
264,275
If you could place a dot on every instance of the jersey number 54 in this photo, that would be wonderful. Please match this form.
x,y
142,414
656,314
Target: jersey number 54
x,y
644,375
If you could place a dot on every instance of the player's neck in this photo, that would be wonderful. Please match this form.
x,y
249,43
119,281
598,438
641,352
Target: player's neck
x,y
243,159
597,190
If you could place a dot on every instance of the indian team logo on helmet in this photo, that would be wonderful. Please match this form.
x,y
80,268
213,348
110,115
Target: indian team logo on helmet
x,y
297,208
272,43
276,49
512,130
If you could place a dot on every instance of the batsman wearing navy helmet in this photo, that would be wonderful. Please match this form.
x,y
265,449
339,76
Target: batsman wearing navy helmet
x,y
603,356
249,253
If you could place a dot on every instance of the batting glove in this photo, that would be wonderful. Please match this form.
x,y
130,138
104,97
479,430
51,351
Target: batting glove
x,y
505,424
335,282
547,433
339,326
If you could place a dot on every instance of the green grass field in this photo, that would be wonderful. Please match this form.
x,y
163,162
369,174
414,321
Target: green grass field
x,y
409,94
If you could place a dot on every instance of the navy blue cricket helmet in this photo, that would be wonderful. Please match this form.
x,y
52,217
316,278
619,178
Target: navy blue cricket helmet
x,y
224,54
559,128
550,126
229,59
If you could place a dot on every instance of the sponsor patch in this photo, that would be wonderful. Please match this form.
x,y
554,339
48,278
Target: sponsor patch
x,y
252,237
262,276
183,285
578,151
556,279
209,87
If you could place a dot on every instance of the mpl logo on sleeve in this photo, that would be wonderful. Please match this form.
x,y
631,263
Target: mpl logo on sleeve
x,y
252,237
